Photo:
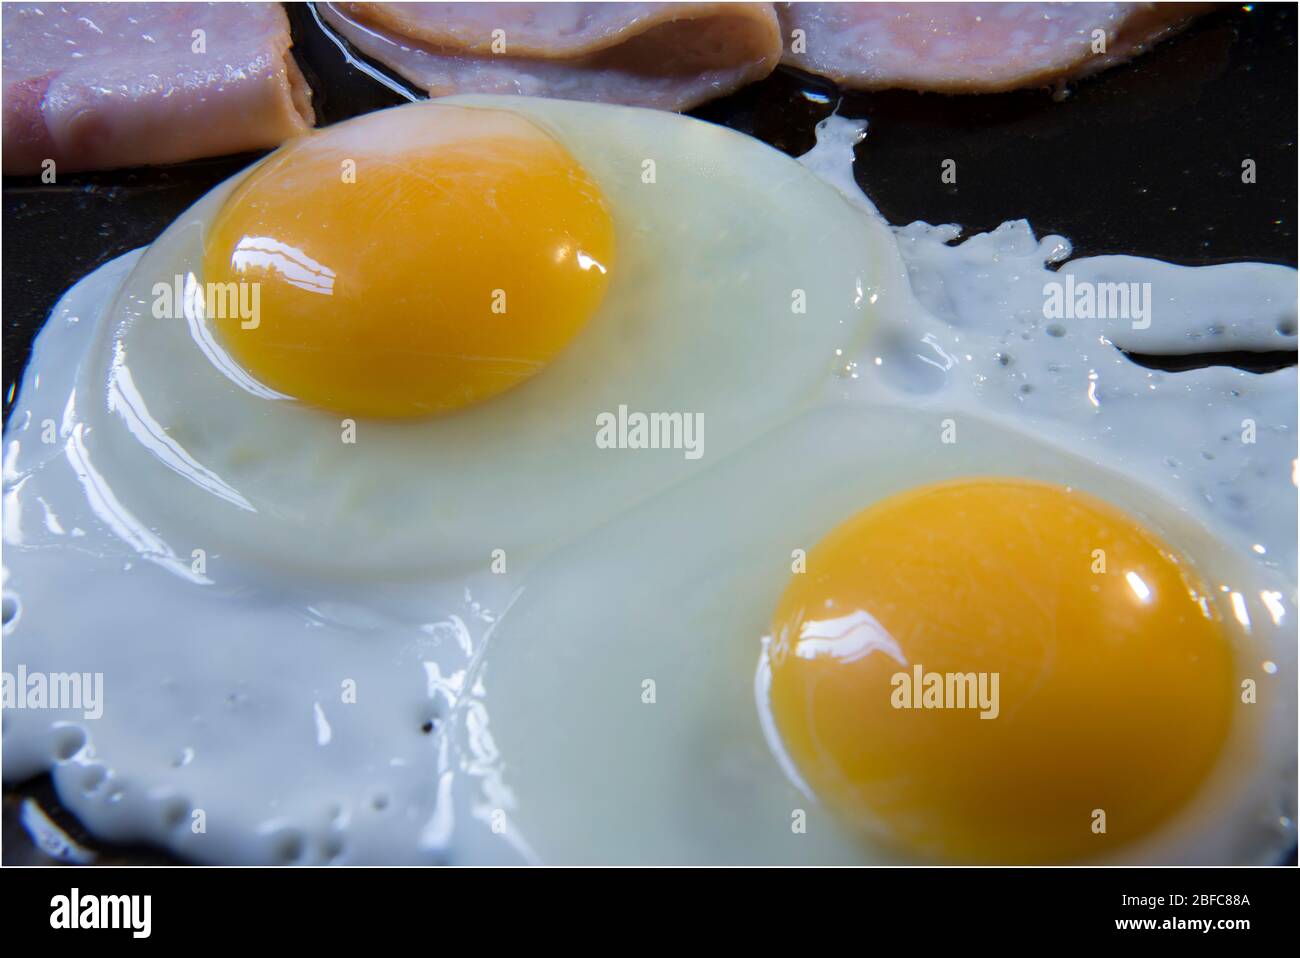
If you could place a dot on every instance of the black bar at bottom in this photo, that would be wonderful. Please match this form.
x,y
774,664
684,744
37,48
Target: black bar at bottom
x,y
335,907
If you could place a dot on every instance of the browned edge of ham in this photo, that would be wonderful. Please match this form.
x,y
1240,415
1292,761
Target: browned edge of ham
x,y
971,47
671,56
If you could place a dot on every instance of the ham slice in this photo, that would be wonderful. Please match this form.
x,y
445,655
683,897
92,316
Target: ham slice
x,y
971,47
665,55
103,85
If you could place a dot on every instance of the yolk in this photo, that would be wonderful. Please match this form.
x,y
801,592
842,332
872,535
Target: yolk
x,y
412,270
1114,671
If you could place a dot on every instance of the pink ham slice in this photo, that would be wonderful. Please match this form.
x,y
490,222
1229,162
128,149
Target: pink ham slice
x,y
103,85
971,47
665,55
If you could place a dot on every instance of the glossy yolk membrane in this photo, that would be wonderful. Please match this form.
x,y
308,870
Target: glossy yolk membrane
x,y
412,263
1114,674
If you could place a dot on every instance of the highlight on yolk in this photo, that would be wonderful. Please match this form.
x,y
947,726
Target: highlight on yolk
x,y
411,262
1114,674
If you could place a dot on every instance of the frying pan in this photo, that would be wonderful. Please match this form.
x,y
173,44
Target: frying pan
x,y
1144,159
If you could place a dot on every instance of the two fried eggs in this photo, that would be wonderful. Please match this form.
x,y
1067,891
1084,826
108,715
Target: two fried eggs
x,y
364,587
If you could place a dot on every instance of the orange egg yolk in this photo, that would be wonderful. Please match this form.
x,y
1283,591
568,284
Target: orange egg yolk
x,y
414,266
1114,674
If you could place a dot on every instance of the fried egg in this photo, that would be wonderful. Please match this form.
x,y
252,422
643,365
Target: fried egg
x,y
629,734
365,584
349,434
